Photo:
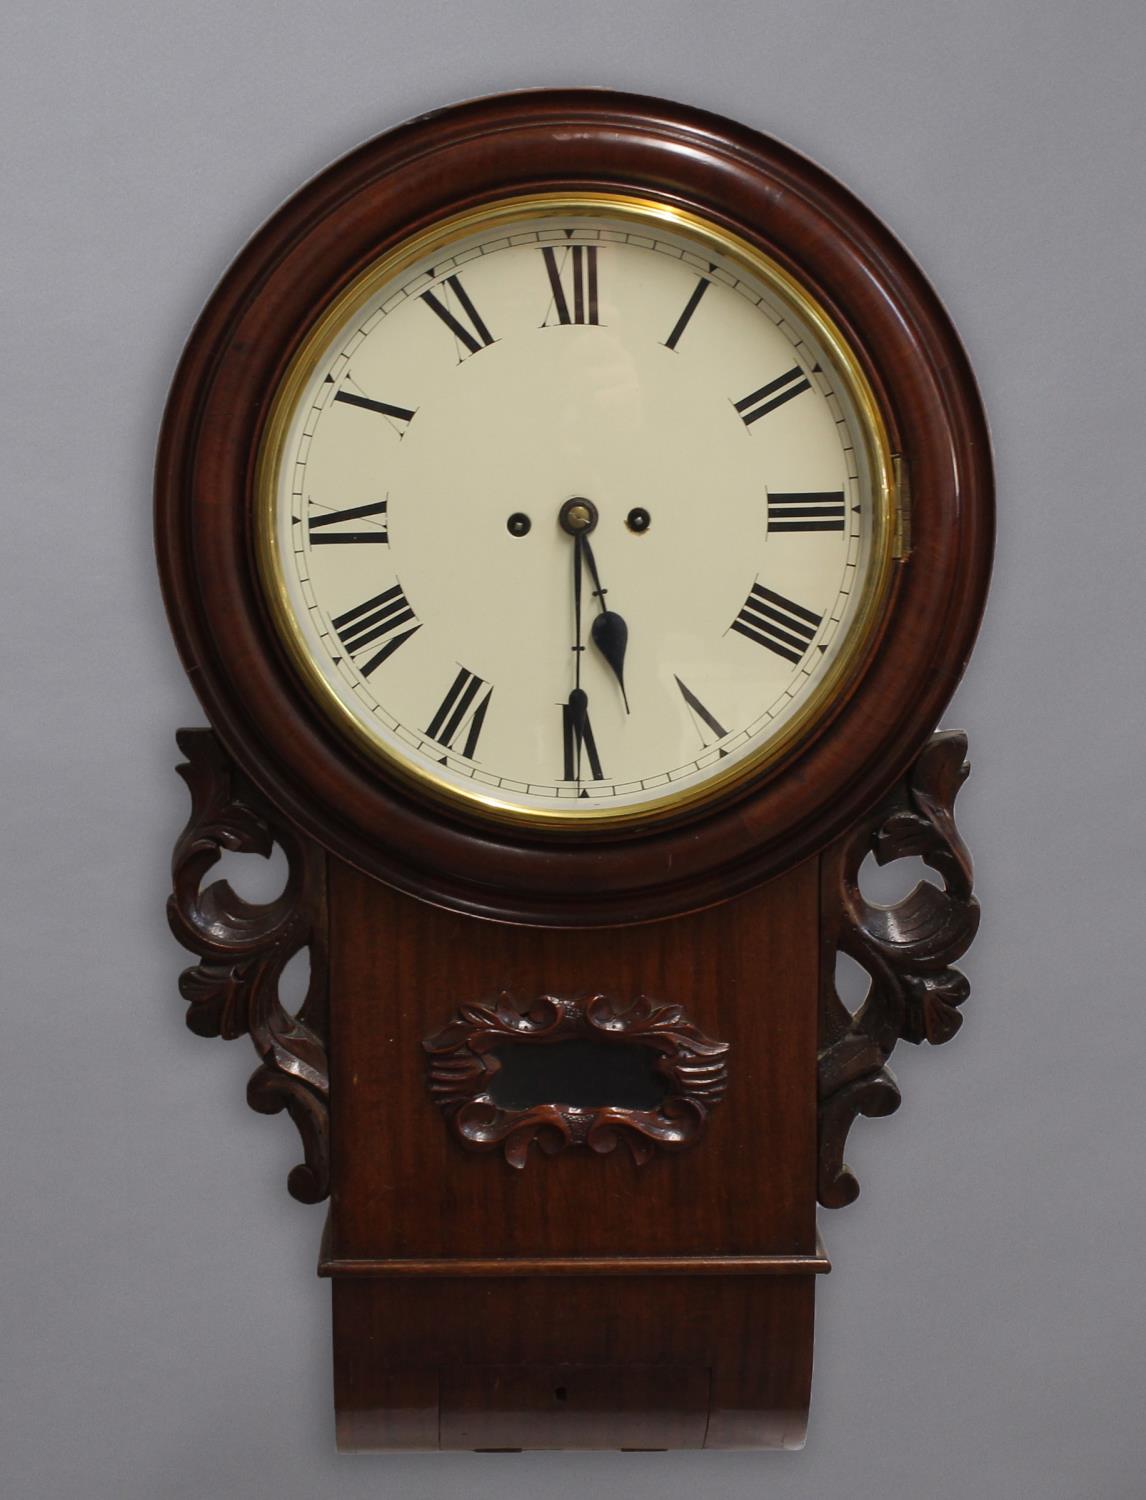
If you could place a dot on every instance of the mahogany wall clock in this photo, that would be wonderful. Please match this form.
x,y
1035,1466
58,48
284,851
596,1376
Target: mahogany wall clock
x,y
574,513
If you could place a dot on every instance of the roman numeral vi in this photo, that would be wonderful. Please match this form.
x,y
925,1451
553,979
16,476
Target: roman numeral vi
x,y
585,741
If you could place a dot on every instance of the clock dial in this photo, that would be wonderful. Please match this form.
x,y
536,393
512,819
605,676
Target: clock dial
x,y
575,510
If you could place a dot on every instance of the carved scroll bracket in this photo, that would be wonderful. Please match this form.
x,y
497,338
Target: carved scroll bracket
x,y
463,1069
906,949
243,948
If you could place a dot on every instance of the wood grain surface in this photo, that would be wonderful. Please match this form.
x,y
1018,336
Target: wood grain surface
x,y
547,141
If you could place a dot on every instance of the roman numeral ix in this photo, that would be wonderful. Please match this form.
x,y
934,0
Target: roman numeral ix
x,y
377,532
379,619
573,276
810,510
772,395
770,620
463,707
466,325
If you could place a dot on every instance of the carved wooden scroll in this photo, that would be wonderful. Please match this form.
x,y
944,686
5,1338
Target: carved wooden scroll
x,y
463,1069
906,949
243,948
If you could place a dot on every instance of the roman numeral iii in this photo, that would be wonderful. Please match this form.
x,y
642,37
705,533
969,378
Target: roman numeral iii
x,y
322,534
810,510
379,619
777,623
465,323
772,395
463,707
573,282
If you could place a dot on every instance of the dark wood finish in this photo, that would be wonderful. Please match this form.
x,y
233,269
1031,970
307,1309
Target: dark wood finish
x,y
592,1300
674,1273
541,141
714,1362
463,1072
588,1265
709,1392
573,1406
747,972
906,949
244,947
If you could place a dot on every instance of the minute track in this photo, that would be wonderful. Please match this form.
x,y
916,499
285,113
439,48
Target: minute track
x,y
462,621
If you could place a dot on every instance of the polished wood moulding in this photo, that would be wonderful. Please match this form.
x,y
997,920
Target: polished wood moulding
x,y
573,1362
587,1265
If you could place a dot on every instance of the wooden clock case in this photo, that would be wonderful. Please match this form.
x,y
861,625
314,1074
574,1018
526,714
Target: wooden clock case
x,y
612,1274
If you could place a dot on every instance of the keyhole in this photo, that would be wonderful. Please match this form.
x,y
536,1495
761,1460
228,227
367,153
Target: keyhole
x,y
561,1393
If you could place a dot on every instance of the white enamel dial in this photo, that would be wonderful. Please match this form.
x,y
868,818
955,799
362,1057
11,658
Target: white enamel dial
x,y
421,515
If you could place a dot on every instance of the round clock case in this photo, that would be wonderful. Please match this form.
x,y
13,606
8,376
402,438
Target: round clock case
x,y
911,397
452,595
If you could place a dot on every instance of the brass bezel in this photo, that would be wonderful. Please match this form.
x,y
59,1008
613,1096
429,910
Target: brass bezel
x,y
501,211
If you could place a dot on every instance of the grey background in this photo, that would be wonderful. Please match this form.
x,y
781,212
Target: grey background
x,y
162,1331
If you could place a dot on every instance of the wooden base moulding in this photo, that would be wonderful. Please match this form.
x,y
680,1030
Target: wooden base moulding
x,y
589,1361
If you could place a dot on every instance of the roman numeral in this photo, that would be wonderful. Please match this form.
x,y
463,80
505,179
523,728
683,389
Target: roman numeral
x,y
770,620
700,711
401,414
588,745
379,619
376,533
810,510
464,705
690,307
772,395
474,337
575,275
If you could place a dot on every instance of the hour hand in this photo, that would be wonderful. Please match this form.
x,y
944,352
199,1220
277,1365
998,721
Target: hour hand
x,y
610,635
609,632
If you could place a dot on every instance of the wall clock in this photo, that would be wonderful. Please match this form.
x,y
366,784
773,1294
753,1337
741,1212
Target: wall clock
x,y
574,512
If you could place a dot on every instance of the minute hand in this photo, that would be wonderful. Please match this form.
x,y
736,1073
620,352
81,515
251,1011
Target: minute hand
x,y
608,632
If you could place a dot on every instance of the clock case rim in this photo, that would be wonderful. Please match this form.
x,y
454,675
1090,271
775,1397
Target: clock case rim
x,y
849,383
544,141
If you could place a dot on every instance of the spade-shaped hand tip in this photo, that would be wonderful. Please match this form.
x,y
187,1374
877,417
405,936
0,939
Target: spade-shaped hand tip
x,y
610,635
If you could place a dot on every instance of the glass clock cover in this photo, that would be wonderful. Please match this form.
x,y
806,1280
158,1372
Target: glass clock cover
x,y
577,510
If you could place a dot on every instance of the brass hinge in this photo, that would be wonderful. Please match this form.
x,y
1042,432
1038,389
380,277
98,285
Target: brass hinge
x,y
901,546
